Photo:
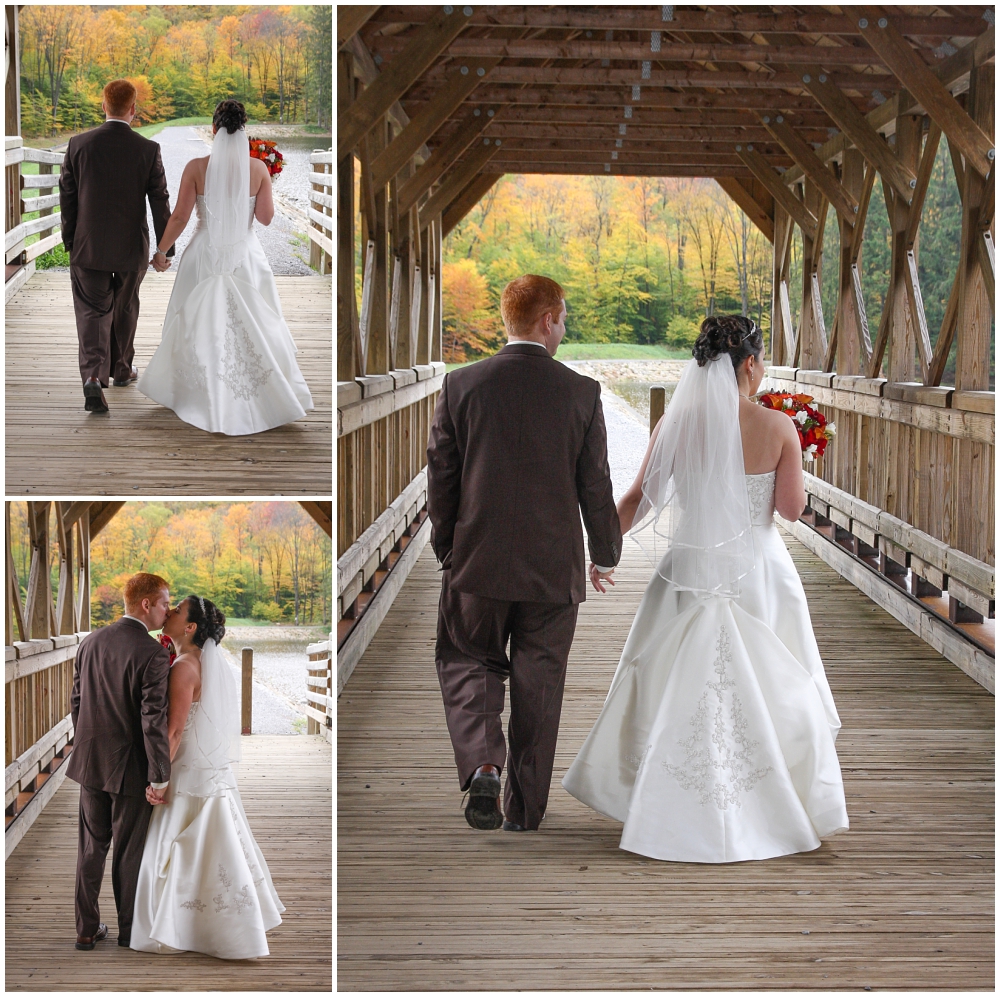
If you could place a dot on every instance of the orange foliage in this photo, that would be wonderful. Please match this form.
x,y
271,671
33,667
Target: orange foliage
x,y
471,322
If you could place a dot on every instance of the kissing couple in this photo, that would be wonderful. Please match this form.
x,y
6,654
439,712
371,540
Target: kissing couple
x,y
716,740
155,749
226,361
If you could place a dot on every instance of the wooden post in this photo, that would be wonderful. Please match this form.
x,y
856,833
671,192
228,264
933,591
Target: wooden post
x,y
378,327
423,346
402,251
247,693
657,405
348,360
39,601
782,334
972,370
849,355
436,334
83,580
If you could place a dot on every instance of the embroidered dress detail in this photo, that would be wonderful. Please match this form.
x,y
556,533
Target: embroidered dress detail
x,y
720,776
760,491
243,372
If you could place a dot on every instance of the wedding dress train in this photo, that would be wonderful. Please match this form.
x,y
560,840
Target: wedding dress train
x,y
226,361
716,741
204,885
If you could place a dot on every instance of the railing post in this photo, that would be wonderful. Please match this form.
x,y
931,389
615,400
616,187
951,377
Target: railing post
x,y
657,405
247,698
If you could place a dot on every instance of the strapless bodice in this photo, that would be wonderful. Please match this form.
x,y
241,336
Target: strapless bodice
x,y
760,490
199,204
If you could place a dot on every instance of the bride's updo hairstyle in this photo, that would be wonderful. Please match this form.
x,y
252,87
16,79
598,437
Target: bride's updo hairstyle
x,y
207,617
733,334
229,114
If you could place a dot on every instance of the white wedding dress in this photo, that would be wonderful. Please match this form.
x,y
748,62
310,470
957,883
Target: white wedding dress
x,y
716,741
226,361
203,883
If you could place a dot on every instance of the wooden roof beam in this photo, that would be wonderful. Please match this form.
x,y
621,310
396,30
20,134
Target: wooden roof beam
x,y
748,204
652,135
971,141
855,126
445,155
411,63
623,169
350,20
773,181
570,152
817,171
967,24
456,181
579,48
430,118
467,200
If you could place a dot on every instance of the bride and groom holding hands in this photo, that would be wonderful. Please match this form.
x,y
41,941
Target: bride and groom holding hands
x,y
716,742
156,745
226,361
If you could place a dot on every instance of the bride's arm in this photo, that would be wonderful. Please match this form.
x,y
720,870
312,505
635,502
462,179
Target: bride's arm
x,y
629,502
183,682
264,207
186,195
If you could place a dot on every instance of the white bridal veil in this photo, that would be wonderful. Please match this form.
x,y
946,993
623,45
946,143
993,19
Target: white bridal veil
x,y
693,521
215,735
227,200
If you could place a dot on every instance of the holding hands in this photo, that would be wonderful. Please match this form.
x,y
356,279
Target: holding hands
x,y
597,578
159,262
155,796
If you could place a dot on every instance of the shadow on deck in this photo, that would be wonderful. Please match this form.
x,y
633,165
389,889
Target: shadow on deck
x,y
285,783
54,447
902,901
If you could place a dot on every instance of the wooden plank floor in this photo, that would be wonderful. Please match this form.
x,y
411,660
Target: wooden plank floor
x,y
286,787
54,447
902,901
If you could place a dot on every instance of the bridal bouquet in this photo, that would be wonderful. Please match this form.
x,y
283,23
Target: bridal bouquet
x,y
268,154
813,429
169,645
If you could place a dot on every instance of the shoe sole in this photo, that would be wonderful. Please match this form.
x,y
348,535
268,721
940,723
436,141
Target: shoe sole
x,y
92,400
483,812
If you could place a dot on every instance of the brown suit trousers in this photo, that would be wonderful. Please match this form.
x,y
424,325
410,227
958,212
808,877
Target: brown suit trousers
x,y
472,666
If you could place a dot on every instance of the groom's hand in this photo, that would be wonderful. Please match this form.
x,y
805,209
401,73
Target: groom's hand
x,y
597,577
155,796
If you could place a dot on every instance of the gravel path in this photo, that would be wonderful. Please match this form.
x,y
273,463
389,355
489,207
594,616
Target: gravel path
x,y
178,145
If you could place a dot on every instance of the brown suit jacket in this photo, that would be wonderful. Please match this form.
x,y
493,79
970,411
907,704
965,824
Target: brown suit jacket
x,y
517,448
107,174
119,707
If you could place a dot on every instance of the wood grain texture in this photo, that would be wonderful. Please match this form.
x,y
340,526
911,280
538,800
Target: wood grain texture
x,y
54,447
286,787
904,900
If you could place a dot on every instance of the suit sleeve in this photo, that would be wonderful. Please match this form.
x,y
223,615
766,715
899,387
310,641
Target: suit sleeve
x,y
159,198
444,479
155,682
596,495
67,200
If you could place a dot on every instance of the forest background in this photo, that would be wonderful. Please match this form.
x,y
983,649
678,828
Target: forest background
x,y
261,561
643,260
183,59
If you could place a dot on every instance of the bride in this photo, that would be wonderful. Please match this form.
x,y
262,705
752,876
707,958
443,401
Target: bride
x,y
716,741
203,883
226,360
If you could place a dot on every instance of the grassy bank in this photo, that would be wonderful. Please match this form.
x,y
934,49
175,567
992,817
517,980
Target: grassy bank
x,y
609,351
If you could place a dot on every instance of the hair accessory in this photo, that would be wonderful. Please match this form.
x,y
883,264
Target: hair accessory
x,y
753,329
201,602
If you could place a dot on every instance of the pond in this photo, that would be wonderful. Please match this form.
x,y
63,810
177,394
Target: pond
x,y
293,181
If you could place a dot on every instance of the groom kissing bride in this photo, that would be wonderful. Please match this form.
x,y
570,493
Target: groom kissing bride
x,y
151,733
226,360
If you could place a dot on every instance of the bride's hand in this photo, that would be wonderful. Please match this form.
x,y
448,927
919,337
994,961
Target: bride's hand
x,y
597,577
155,796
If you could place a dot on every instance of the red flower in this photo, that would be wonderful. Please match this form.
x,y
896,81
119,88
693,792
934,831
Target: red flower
x,y
169,645
267,152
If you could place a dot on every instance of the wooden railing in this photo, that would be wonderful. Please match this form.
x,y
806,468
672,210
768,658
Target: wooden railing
x,y
321,212
39,727
319,708
16,231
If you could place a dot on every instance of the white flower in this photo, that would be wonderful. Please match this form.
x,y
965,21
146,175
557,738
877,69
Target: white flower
x,y
787,403
801,417
831,428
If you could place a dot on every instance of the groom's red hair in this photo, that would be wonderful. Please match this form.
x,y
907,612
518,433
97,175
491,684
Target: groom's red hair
x,y
526,299
142,586
119,96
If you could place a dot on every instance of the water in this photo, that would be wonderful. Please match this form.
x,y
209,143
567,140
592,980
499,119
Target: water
x,y
293,181
636,393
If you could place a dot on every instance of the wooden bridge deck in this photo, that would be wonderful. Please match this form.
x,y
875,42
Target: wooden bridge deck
x,y
286,787
54,447
903,901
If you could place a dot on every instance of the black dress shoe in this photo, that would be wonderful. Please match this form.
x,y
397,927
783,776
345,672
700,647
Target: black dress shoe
x,y
133,376
85,944
93,396
483,811
509,825
124,942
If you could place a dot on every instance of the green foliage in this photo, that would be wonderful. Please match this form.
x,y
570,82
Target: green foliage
x,y
618,351
269,611
682,332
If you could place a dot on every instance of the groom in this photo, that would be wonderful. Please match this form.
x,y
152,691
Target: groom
x,y
120,747
517,449
107,175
